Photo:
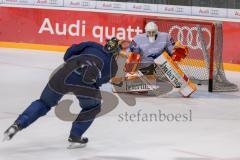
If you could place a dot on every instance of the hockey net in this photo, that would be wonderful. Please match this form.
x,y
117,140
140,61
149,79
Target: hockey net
x,y
204,39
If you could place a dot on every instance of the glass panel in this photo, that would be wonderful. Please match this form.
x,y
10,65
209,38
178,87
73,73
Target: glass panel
x,y
210,3
234,4
202,3
180,2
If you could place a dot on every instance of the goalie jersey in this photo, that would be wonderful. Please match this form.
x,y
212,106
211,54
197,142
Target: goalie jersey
x,y
150,51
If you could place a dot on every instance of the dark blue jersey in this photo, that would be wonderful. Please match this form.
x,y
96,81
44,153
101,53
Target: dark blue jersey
x,y
109,68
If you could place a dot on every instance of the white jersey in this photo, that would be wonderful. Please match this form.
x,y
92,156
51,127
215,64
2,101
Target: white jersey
x,y
150,51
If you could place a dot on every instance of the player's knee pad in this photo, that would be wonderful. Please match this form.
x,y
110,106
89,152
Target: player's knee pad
x,y
48,103
95,109
89,114
50,97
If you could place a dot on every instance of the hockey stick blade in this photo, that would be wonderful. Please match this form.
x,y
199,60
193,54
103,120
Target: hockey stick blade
x,y
5,137
164,87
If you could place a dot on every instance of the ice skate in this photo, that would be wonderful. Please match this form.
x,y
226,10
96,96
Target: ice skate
x,y
77,142
10,132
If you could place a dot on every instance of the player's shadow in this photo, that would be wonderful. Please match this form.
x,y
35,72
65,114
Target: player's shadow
x,y
111,158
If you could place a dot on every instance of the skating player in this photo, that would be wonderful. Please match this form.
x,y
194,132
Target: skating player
x,y
90,74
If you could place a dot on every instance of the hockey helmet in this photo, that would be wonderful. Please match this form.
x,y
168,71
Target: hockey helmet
x,y
111,46
151,29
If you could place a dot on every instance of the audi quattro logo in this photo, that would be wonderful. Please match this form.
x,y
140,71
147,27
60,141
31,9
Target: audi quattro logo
x,y
191,41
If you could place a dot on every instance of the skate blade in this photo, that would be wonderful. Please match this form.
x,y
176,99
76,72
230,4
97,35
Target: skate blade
x,y
5,138
8,133
76,145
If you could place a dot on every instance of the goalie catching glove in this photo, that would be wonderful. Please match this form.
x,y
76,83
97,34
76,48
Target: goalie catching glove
x,y
179,52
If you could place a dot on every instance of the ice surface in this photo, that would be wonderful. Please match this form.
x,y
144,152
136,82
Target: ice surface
x,y
213,133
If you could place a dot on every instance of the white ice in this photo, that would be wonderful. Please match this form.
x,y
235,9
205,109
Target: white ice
x,y
213,133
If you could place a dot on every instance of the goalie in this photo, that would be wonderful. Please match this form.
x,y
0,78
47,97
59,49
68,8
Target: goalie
x,y
152,44
152,47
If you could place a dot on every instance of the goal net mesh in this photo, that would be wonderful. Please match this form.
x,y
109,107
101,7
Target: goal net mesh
x,y
204,39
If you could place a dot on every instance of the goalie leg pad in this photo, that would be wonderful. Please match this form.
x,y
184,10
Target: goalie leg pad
x,y
175,75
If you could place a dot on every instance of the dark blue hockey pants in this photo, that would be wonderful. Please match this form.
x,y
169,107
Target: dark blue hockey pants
x,y
49,98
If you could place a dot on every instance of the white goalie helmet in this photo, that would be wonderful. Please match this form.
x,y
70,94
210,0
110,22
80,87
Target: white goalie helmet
x,y
151,29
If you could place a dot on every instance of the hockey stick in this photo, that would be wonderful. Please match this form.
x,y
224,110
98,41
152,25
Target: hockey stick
x,y
164,87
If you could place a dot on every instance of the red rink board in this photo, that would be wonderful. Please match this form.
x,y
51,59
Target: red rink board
x,y
64,27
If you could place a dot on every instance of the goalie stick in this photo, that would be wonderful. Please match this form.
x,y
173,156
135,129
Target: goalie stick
x,y
163,86
130,80
142,84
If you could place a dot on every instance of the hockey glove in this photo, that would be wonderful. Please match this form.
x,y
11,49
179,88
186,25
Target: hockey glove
x,y
179,52
132,62
91,72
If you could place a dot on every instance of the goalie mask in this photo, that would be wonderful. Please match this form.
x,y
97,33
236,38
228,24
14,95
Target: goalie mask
x,y
151,29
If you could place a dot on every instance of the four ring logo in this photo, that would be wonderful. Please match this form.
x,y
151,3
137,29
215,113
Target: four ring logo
x,y
190,36
214,12
179,10
85,4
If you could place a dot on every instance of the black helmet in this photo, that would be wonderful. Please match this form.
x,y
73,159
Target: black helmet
x,y
111,45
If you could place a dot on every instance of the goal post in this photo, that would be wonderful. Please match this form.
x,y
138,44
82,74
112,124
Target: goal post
x,y
204,39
